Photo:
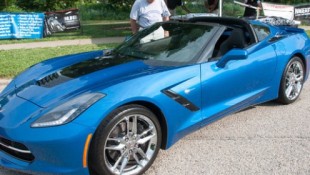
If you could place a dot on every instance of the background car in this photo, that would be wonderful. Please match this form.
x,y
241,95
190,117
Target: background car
x,y
109,112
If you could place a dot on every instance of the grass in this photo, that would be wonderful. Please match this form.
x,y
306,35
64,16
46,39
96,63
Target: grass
x,y
12,62
90,29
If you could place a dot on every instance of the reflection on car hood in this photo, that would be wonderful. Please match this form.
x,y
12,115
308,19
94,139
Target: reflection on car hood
x,y
59,78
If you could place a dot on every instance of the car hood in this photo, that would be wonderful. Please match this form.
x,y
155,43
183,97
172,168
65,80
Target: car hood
x,y
65,77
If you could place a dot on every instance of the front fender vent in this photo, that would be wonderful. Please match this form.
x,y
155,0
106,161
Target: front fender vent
x,y
181,100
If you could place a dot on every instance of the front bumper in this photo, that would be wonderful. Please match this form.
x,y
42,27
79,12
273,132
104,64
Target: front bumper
x,y
56,150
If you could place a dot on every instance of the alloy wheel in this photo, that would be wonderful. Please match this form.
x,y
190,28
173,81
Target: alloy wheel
x,y
130,145
294,80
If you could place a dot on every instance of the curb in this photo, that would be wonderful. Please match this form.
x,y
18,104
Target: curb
x,y
58,43
304,27
4,82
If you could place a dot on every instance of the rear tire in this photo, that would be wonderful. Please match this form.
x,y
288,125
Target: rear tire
x,y
292,81
126,142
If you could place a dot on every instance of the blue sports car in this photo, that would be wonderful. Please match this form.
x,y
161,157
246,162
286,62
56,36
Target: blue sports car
x,y
109,112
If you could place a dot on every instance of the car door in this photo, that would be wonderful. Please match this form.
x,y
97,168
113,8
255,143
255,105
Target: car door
x,y
239,83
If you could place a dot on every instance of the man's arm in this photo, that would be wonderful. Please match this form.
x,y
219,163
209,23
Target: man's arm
x,y
166,33
134,26
166,18
134,16
259,4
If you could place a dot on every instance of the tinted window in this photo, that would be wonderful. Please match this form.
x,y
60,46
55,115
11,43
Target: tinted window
x,y
168,43
261,32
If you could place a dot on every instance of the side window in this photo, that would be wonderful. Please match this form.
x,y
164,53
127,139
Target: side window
x,y
261,32
224,37
232,38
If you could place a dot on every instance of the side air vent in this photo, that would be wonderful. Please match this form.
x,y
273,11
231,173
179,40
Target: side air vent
x,y
181,100
52,80
16,150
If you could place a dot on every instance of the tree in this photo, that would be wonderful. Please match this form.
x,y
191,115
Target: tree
x,y
46,5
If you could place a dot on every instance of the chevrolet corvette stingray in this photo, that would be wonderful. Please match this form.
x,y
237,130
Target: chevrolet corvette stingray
x,y
109,112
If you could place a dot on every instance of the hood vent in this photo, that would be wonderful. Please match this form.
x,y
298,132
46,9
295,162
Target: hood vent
x,y
52,80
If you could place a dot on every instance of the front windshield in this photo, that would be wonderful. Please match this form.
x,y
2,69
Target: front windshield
x,y
168,43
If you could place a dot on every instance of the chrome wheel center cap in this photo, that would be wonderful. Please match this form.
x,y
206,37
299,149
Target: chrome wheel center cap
x,y
131,143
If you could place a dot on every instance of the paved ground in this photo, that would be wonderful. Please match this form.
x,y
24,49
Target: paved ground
x,y
62,43
266,139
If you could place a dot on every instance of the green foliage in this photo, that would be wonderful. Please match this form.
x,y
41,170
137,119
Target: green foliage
x,y
104,11
121,3
231,9
9,6
45,5
12,8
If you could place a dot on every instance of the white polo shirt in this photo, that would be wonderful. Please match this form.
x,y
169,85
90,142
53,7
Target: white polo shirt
x,y
146,13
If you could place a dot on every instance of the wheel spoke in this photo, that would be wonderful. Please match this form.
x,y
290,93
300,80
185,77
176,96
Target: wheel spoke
x,y
124,164
116,148
145,139
288,91
134,124
296,68
119,140
118,161
140,151
291,69
127,125
137,159
297,88
145,132
299,78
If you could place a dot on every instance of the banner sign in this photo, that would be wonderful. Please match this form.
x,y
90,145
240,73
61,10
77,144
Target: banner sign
x,y
302,11
59,21
278,10
21,25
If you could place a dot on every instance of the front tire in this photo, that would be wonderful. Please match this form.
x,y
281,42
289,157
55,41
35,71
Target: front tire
x,y
292,81
126,142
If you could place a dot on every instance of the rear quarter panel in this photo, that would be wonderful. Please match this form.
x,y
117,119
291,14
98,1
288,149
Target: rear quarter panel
x,y
294,44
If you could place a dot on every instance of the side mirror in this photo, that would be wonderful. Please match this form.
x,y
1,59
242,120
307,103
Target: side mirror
x,y
234,54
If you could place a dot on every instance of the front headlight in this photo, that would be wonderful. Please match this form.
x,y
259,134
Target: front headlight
x,y
68,111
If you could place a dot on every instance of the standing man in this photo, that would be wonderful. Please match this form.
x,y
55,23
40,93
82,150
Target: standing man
x,y
212,6
144,13
250,12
